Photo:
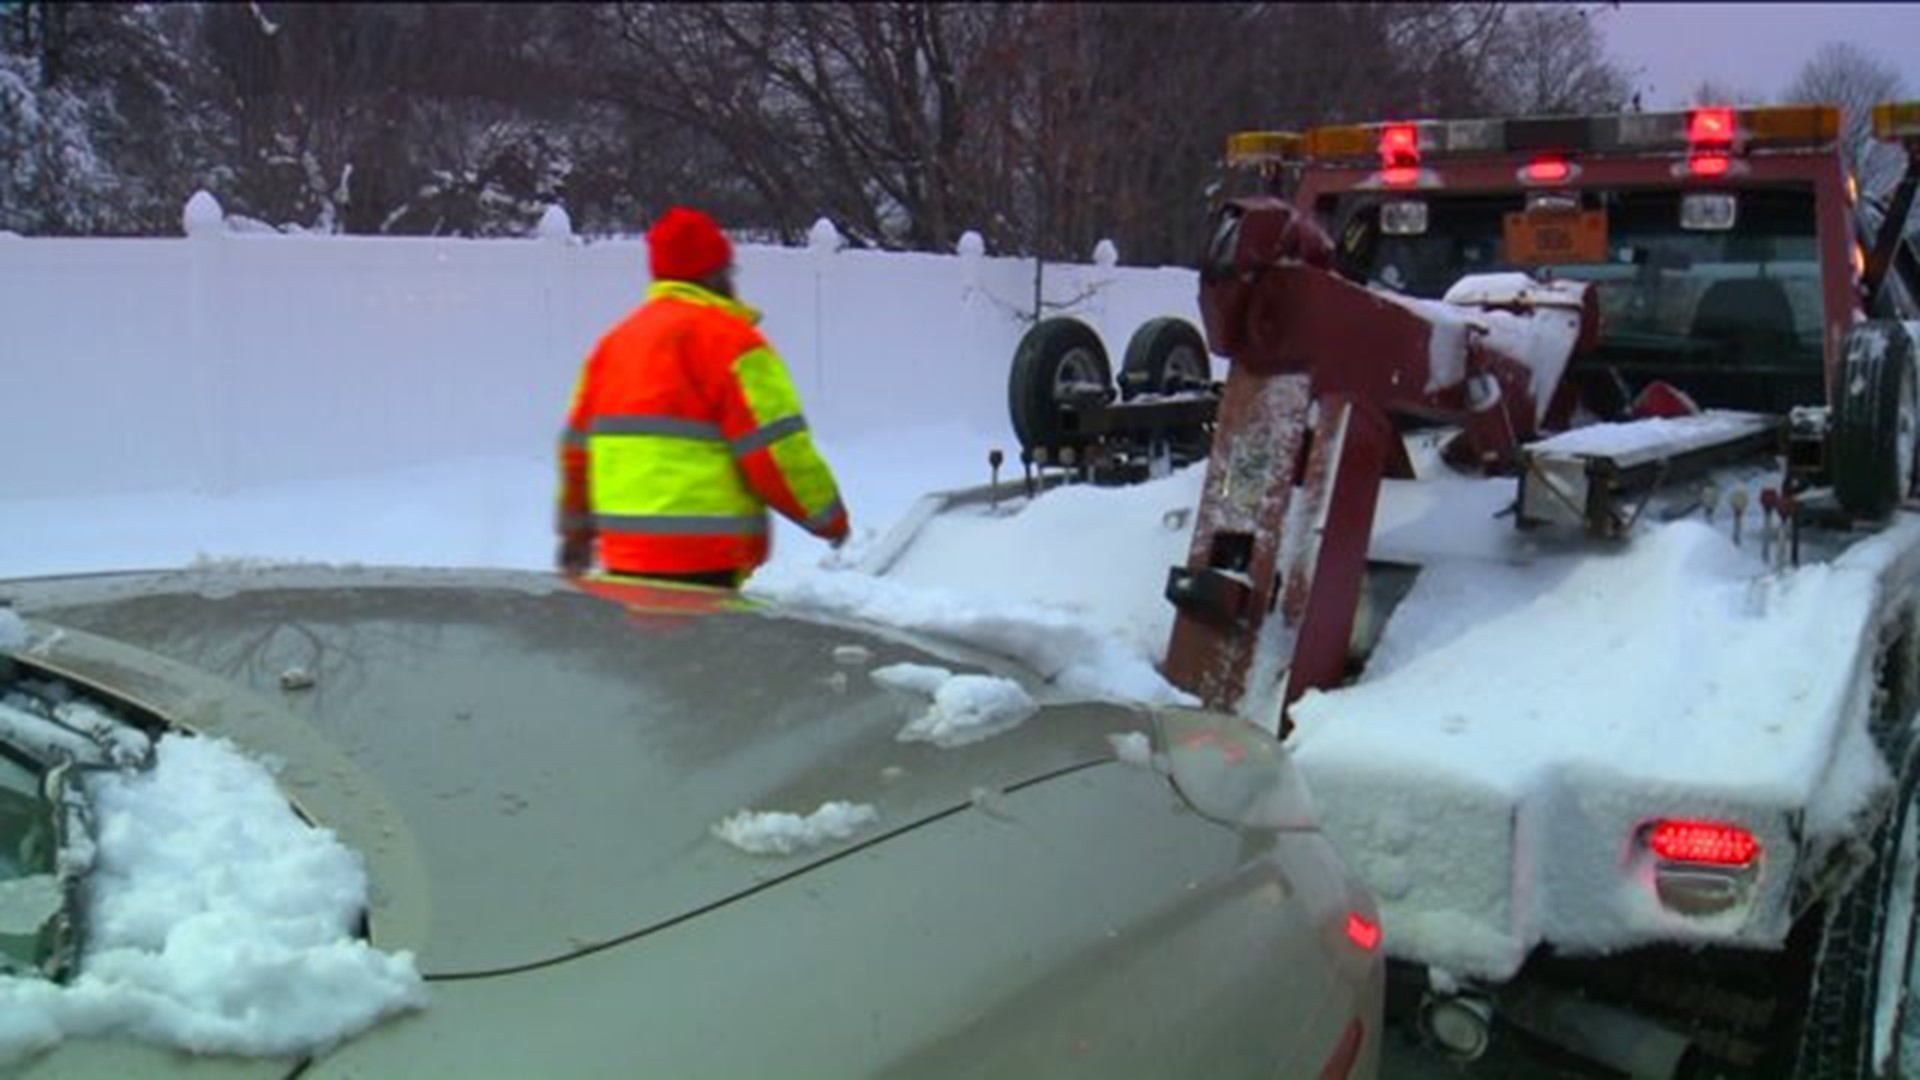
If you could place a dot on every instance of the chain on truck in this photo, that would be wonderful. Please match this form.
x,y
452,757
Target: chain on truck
x,y
1711,278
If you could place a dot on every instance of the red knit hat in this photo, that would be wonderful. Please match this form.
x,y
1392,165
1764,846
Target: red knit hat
x,y
686,245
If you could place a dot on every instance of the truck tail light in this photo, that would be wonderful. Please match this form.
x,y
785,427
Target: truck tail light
x,y
1712,842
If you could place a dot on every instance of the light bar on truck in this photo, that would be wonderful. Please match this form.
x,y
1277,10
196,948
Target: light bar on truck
x,y
1896,121
1714,842
1264,147
1728,129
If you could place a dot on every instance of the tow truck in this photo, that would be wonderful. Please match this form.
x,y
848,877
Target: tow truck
x,y
1566,332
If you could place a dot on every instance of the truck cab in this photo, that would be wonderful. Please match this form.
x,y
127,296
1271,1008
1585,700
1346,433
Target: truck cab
x,y
1725,246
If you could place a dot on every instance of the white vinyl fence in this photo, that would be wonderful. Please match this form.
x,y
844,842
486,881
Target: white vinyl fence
x,y
221,360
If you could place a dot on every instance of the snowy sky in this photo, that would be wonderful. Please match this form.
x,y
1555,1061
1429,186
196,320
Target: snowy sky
x,y
1071,583
1755,48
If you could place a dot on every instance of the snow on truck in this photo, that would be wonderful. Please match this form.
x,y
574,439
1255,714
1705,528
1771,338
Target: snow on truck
x,y
1557,512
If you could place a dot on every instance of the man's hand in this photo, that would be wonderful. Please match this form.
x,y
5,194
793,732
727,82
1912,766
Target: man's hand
x,y
575,556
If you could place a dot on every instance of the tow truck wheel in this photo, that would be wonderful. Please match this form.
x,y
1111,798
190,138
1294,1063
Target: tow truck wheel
x,y
1059,361
1876,421
1164,356
1858,1002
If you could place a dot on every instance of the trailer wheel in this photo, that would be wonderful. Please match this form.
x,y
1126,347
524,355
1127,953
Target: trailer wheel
x,y
1059,361
1876,421
1858,1001
1164,356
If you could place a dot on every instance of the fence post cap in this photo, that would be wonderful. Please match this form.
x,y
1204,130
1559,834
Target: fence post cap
x,y
202,216
825,237
555,224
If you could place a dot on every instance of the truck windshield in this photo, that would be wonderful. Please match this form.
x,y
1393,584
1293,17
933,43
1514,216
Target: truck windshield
x,y
1690,306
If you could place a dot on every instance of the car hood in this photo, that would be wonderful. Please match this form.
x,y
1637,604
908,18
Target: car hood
x,y
534,771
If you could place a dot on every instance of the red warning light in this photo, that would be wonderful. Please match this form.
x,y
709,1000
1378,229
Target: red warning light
x,y
1548,170
1399,155
1709,165
1710,127
1400,144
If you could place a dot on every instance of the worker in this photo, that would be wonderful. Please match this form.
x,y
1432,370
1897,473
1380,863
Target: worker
x,y
685,426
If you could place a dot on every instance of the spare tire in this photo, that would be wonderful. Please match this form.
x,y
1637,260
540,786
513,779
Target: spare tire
x,y
1876,421
1059,361
1164,356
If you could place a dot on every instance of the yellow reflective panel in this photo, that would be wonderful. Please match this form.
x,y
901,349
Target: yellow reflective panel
x,y
1344,141
1261,147
1895,120
1791,123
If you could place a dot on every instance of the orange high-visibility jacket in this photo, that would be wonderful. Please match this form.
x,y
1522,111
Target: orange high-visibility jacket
x,y
685,427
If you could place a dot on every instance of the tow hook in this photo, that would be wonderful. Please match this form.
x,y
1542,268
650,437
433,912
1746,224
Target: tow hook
x,y
1460,1024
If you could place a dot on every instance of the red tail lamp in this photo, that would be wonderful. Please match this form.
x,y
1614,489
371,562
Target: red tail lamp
x,y
1363,931
1713,842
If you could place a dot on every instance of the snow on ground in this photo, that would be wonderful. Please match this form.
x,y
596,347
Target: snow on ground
x,y
1517,674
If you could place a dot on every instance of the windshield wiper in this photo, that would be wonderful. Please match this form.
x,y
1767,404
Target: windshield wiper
x,y
49,736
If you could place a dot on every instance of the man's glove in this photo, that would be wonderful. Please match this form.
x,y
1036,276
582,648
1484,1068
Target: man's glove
x,y
575,556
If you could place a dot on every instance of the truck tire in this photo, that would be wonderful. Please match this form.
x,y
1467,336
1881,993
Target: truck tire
x,y
1876,421
1866,946
1164,356
1058,361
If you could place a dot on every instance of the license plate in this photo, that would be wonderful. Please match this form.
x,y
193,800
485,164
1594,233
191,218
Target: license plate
x,y
1560,237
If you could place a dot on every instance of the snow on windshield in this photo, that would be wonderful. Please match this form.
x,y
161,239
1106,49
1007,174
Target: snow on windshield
x,y
216,921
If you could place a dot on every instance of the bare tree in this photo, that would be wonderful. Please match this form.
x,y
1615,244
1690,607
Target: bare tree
x,y
1716,92
1548,59
1854,79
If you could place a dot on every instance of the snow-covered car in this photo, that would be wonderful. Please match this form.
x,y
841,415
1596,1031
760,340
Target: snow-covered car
x,y
636,830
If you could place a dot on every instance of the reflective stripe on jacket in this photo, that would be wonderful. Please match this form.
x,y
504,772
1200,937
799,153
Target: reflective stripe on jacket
x,y
685,427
